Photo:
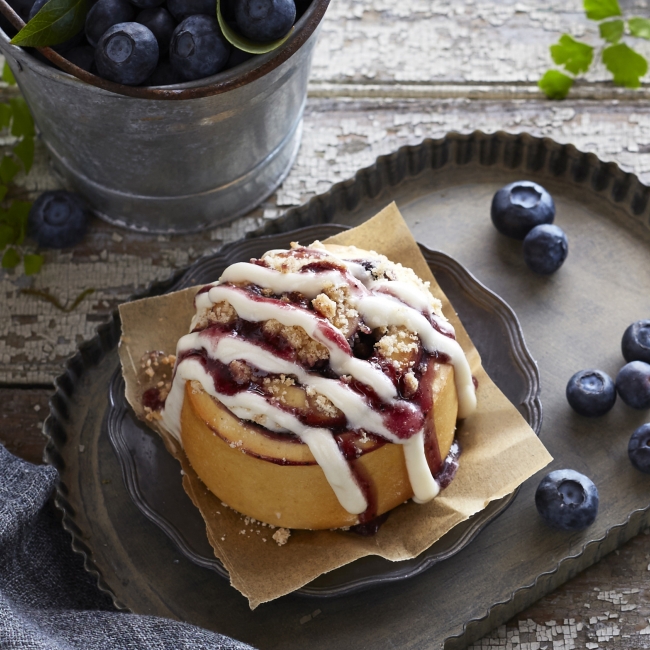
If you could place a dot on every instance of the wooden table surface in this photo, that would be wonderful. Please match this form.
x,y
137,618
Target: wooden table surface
x,y
384,75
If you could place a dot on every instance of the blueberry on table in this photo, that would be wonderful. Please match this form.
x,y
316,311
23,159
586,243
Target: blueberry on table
x,y
181,9
545,249
519,207
127,54
567,500
105,14
591,393
265,20
58,219
638,449
633,384
198,48
161,23
636,342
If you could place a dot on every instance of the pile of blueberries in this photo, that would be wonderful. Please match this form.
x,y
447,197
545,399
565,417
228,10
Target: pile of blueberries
x,y
566,499
163,42
525,210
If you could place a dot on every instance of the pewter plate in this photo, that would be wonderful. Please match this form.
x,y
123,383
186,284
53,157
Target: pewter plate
x,y
155,485
572,320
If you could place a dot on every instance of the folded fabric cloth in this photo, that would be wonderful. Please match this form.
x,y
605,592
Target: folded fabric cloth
x,y
47,600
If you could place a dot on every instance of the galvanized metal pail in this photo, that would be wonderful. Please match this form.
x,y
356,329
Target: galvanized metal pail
x,y
175,158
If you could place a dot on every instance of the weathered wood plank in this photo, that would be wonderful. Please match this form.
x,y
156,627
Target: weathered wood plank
x,y
340,137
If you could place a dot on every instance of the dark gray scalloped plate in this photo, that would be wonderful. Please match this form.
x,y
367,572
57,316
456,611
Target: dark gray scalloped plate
x,y
443,188
152,476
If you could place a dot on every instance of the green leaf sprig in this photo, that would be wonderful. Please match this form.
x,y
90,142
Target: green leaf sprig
x,y
625,64
243,43
15,121
56,22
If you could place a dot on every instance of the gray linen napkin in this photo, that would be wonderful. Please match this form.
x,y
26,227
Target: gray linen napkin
x,y
47,600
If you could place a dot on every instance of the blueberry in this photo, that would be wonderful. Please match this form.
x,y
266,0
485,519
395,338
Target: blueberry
x,y
181,9
83,57
265,20
161,23
633,384
567,500
519,207
198,48
591,393
58,219
638,448
545,249
105,14
127,54
636,342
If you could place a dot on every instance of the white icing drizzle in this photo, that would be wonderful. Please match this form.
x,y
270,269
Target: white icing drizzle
x,y
379,303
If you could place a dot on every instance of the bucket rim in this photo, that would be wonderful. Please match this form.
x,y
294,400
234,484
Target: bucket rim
x,y
250,71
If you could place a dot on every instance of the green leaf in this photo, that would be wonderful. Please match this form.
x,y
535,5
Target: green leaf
x,y
22,123
56,22
17,217
3,192
612,30
8,169
24,150
244,43
32,264
5,115
601,9
625,64
10,259
575,56
639,27
7,236
8,75
555,84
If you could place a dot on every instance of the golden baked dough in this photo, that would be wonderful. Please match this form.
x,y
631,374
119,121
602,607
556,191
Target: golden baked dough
x,y
245,469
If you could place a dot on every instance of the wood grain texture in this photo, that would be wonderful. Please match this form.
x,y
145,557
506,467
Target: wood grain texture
x,y
340,138
21,423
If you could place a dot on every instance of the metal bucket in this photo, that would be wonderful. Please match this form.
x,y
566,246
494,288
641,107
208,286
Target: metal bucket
x,y
175,158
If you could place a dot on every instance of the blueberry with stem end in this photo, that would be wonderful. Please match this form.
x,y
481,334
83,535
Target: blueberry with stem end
x,y
633,384
104,14
591,393
58,219
635,344
567,500
198,48
518,207
265,20
638,449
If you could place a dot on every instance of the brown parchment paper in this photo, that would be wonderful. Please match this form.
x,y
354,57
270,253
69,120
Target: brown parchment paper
x,y
499,450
